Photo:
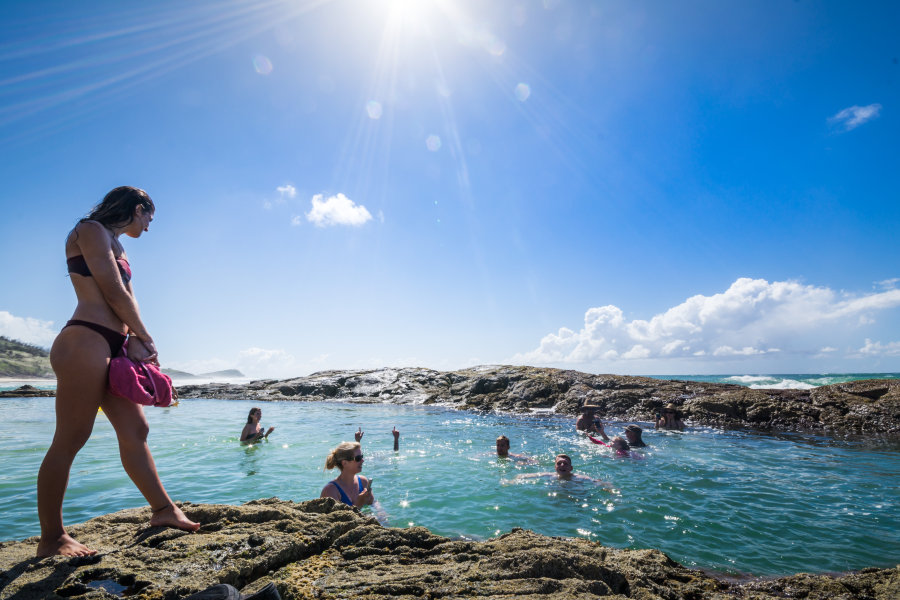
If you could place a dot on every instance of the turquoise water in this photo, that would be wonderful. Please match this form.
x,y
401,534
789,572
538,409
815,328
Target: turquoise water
x,y
731,501
797,381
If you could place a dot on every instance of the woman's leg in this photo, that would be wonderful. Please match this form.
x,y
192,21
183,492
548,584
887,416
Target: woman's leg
x,y
80,359
131,429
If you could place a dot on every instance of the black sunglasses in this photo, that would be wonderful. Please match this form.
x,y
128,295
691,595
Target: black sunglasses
x,y
358,458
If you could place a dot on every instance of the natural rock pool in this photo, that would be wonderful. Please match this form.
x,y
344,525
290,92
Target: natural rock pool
x,y
739,502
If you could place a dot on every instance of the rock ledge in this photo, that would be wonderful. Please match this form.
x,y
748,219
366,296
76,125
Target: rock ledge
x,y
323,549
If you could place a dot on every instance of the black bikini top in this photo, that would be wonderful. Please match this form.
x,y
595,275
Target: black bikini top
x,y
78,265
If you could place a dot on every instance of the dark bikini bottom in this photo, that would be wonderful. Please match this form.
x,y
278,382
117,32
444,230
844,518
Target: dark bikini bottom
x,y
112,337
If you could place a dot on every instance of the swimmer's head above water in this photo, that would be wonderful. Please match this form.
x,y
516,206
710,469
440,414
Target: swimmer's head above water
x,y
345,455
502,446
563,465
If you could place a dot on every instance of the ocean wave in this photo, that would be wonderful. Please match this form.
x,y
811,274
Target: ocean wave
x,y
750,378
784,384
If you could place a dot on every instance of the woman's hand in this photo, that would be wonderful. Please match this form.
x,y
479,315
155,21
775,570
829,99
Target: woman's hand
x,y
366,497
142,351
271,429
359,434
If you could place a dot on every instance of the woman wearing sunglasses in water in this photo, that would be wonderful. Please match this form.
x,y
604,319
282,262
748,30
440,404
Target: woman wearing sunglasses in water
x,y
349,487
670,419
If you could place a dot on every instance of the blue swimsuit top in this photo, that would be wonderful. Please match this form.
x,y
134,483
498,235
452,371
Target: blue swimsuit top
x,y
344,498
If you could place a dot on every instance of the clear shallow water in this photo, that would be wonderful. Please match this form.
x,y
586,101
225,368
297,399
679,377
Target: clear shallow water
x,y
730,501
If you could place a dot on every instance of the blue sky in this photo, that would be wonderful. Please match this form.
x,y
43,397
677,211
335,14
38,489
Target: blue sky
x,y
620,187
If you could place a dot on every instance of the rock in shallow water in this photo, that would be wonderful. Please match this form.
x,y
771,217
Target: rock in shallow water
x,y
323,549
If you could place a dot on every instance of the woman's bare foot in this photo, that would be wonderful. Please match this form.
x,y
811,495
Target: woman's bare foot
x,y
64,545
171,516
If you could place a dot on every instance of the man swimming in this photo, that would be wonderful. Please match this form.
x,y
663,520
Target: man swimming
x,y
503,451
563,471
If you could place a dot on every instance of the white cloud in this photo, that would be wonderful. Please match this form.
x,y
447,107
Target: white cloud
x,y
854,116
337,210
878,349
27,329
259,362
286,191
296,220
255,363
752,318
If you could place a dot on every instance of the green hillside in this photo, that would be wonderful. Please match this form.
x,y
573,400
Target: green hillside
x,y
18,359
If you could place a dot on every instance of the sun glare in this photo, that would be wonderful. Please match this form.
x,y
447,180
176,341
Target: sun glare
x,y
406,12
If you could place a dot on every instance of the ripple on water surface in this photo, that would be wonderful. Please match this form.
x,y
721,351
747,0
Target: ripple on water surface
x,y
731,501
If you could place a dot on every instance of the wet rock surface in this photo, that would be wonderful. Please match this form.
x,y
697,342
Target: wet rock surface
x,y
323,549
867,406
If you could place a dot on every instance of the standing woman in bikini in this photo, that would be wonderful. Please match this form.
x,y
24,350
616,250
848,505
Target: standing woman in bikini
x,y
106,313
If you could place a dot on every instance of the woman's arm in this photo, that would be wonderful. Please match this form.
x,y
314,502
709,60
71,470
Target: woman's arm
x,y
94,241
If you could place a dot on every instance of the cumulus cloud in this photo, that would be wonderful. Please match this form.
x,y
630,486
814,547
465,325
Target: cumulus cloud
x,y
27,329
752,318
854,116
337,210
878,349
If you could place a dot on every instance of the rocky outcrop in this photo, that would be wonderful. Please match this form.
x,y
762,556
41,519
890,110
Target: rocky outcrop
x,y
27,391
870,406
323,549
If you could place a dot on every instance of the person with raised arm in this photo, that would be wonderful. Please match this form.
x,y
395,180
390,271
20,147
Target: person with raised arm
x,y
106,314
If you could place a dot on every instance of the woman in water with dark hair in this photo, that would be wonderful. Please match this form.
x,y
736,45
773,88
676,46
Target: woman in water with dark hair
x,y
106,313
253,432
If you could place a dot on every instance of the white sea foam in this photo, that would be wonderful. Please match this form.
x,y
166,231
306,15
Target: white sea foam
x,y
784,384
749,378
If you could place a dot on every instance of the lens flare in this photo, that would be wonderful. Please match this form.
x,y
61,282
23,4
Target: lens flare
x,y
262,65
523,91
373,108
433,142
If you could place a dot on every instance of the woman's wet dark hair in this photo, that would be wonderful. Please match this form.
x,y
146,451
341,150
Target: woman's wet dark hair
x,y
253,411
117,207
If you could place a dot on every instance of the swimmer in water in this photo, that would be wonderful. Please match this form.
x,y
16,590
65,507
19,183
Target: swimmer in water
x,y
253,432
587,420
349,487
670,419
617,443
562,471
503,451
633,435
